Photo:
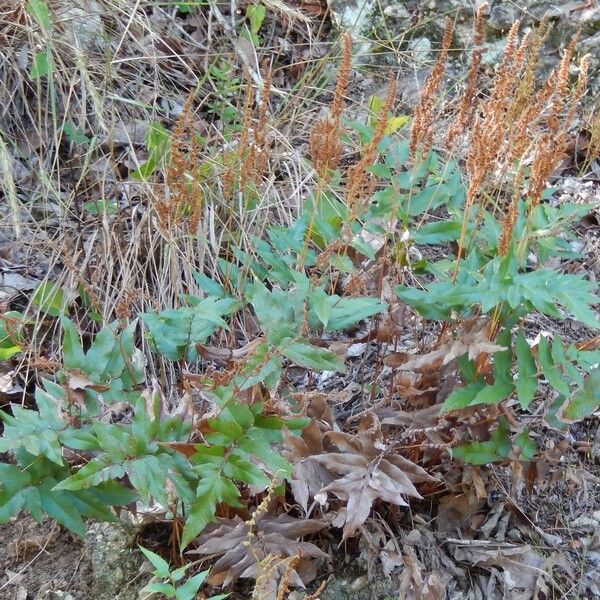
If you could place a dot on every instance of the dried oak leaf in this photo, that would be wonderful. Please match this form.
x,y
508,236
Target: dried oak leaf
x,y
310,476
472,341
370,471
244,546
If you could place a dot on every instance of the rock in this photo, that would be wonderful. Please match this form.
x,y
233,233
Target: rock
x,y
360,588
396,11
354,15
503,16
457,8
82,25
420,49
115,561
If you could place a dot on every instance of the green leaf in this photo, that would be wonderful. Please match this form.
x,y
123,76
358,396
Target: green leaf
x,y
493,394
346,312
550,371
525,444
101,207
240,469
481,453
526,383
208,285
10,338
12,483
202,512
161,566
156,587
230,429
256,444
39,10
321,306
104,359
585,401
189,589
73,356
157,143
50,299
436,233
256,14
34,431
41,65
306,355
58,505
75,135
463,397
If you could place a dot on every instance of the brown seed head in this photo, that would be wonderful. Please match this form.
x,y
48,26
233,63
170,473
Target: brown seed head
x,y
421,134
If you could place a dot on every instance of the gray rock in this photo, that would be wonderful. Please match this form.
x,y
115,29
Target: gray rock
x,y
354,15
115,561
360,588
396,11
82,25
384,33
503,16
420,49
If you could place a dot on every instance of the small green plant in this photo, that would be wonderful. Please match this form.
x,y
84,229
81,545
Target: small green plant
x,y
255,13
171,584
157,144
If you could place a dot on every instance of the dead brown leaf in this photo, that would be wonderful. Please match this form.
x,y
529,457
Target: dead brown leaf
x,y
522,565
369,471
243,546
472,340
309,475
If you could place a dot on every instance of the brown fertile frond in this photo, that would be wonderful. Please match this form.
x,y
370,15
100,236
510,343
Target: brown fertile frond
x,y
526,87
467,102
421,135
231,176
358,180
324,139
255,161
492,127
182,188
593,149
343,78
509,220
550,146
561,88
